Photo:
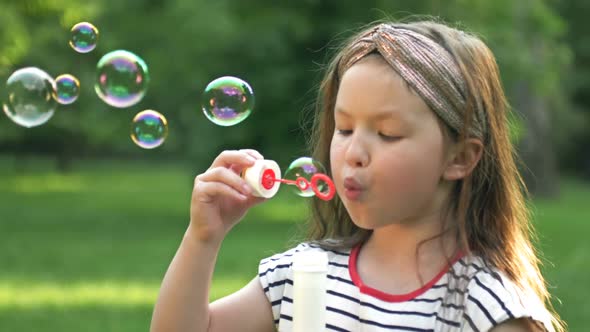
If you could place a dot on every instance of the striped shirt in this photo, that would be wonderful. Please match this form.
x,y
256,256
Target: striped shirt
x,y
468,296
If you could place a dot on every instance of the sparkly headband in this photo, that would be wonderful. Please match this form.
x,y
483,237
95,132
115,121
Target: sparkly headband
x,y
425,65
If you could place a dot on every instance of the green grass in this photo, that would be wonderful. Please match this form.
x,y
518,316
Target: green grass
x,y
87,251
563,226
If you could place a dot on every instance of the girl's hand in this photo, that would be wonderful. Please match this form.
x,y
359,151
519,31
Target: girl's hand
x,y
220,197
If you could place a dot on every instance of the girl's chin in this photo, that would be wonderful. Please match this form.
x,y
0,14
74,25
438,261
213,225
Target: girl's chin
x,y
370,224
364,223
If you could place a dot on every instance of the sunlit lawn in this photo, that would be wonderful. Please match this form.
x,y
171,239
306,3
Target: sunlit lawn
x,y
87,251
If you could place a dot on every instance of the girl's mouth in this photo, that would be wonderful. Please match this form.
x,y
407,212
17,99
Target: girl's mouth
x,y
352,189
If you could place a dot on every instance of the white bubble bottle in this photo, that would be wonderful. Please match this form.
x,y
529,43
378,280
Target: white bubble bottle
x,y
309,291
262,178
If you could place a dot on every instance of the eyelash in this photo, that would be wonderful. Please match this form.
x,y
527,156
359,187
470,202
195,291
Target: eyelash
x,y
344,132
389,138
383,136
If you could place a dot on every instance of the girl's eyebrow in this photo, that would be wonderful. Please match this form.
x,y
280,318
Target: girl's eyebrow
x,y
378,115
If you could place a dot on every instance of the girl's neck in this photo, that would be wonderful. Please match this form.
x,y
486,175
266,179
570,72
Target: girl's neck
x,y
408,255
400,242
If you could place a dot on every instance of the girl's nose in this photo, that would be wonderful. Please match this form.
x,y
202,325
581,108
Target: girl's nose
x,y
357,153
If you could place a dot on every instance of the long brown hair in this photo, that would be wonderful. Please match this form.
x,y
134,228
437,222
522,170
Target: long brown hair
x,y
489,206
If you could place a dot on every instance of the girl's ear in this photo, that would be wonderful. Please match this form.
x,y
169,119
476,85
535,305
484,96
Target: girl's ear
x,y
462,159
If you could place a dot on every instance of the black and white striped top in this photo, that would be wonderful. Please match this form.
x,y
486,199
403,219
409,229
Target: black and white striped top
x,y
465,297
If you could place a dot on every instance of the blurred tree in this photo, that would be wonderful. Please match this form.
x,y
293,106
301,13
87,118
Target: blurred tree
x,y
280,48
575,146
33,33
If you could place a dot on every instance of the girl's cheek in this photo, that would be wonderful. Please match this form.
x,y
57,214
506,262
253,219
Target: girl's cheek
x,y
336,152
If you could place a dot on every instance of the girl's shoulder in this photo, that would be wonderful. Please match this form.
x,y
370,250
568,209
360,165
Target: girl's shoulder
x,y
285,259
491,297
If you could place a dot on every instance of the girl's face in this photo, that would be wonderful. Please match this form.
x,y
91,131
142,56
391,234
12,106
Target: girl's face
x,y
387,153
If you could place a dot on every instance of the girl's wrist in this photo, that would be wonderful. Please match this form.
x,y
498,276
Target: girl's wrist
x,y
201,240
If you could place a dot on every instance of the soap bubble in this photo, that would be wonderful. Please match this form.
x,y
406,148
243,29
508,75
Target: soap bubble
x,y
122,79
30,97
84,37
227,101
68,88
149,129
301,171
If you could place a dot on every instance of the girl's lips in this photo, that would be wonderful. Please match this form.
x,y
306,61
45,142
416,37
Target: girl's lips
x,y
352,194
352,189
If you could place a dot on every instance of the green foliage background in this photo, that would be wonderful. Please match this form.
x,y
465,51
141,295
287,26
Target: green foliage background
x,y
279,48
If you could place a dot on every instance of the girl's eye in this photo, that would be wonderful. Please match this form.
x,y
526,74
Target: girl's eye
x,y
388,138
344,132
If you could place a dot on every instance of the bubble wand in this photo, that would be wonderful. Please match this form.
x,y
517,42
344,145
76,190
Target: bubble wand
x,y
265,178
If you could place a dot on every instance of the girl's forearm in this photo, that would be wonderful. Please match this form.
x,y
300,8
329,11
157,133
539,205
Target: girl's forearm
x,y
183,301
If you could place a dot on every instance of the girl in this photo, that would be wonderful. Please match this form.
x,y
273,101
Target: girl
x,y
430,231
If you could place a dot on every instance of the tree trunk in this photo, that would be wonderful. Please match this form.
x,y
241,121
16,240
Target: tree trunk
x,y
536,148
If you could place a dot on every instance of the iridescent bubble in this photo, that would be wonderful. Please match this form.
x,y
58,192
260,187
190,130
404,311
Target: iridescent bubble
x,y
122,78
84,37
149,129
301,171
227,101
30,97
68,88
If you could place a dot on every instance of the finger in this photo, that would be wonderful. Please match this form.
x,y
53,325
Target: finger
x,y
227,177
231,157
253,153
236,169
207,192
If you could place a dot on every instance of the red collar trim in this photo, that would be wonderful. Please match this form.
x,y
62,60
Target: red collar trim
x,y
356,279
